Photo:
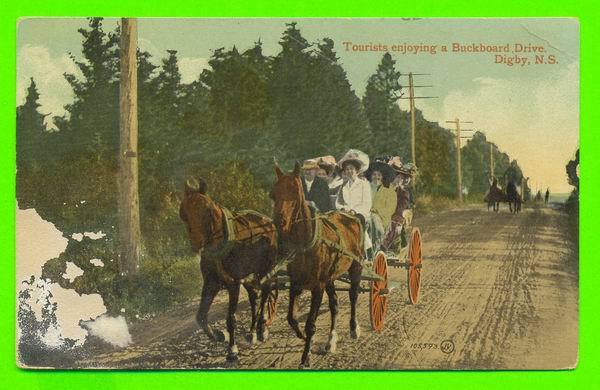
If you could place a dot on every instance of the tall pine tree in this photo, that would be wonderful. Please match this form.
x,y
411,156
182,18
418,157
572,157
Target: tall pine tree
x,y
30,128
91,123
388,125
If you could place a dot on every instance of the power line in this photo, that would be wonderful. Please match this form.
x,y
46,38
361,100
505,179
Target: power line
x,y
457,122
411,97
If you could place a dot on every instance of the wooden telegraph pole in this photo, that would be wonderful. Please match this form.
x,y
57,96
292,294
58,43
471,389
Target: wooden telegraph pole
x,y
457,122
129,210
491,161
411,97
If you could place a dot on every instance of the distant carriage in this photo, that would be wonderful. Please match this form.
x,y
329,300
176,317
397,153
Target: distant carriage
x,y
496,195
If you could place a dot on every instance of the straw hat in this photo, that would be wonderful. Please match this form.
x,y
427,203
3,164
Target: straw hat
x,y
310,164
326,162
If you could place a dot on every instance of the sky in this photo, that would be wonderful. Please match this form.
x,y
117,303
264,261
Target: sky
x,y
531,112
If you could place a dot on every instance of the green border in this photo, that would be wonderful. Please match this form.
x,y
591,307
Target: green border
x,y
587,371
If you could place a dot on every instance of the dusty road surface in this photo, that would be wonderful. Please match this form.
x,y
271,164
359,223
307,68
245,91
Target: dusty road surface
x,y
499,291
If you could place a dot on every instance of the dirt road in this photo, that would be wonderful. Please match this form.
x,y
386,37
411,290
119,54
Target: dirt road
x,y
499,291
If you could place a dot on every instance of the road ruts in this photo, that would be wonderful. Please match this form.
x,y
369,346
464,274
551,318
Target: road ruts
x,y
499,291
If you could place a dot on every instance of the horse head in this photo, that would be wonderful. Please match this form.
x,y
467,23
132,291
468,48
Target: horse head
x,y
288,198
200,213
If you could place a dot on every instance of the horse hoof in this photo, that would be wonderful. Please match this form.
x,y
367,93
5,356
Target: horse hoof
x,y
331,346
264,335
355,333
232,354
252,339
299,334
304,365
222,336
232,358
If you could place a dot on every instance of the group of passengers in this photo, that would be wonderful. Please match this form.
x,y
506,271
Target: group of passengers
x,y
377,191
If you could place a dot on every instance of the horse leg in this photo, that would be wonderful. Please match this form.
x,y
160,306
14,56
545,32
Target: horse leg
x,y
293,310
252,297
210,288
510,208
310,328
333,309
261,328
355,272
234,296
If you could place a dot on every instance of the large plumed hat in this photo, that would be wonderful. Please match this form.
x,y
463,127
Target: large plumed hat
x,y
361,159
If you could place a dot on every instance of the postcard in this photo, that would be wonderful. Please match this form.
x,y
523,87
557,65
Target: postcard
x,y
297,193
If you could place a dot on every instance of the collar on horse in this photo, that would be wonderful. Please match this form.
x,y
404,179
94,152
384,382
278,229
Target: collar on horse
x,y
224,247
318,220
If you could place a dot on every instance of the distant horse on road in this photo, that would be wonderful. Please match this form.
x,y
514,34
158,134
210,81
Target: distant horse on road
x,y
513,197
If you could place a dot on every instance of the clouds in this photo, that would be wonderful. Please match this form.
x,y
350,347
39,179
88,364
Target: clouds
x,y
47,72
190,68
535,120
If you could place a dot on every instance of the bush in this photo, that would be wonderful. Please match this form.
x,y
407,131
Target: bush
x,y
572,209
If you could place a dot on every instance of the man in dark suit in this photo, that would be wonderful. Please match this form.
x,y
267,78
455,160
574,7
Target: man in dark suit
x,y
316,190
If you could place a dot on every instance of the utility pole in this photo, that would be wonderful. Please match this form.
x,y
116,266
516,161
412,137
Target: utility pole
x,y
457,122
411,97
491,161
129,209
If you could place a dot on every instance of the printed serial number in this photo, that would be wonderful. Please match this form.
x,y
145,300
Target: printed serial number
x,y
424,346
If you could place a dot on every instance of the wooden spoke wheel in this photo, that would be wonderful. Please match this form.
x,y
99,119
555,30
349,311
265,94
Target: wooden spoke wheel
x,y
378,300
414,266
271,306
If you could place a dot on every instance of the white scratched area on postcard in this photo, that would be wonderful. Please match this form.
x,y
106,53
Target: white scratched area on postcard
x,y
339,194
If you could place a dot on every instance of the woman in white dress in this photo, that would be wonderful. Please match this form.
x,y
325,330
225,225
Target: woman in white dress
x,y
354,195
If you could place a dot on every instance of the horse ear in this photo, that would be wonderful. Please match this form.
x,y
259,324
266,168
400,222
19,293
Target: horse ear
x,y
191,186
297,168
202,186
278,170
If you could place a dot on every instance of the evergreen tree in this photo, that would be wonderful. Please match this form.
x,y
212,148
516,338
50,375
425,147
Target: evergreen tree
x,y
91,124
315,111
30,128
435,151
388,125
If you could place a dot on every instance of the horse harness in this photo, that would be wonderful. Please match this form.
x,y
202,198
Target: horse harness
x,y
224,248
339,246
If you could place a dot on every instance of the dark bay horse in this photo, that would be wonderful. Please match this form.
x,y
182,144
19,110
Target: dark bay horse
x,y
324,246
494,196
235,249
513,197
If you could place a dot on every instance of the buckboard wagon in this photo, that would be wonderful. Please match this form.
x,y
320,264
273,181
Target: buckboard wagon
x,y
374,279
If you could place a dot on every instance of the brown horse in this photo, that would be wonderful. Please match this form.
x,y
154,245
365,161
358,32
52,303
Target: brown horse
x,y
234,248
324,247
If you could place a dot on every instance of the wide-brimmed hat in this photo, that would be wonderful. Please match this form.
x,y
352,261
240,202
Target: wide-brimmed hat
x,y
310,164
326,162
361,159
386,170
408,169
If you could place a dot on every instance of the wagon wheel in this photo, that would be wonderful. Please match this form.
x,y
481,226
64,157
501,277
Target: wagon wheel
x,y
271,306
414,266
378,296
